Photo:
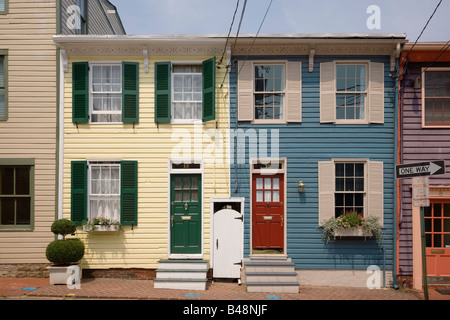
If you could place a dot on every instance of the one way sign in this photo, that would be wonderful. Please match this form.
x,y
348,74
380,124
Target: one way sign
x,y
420,169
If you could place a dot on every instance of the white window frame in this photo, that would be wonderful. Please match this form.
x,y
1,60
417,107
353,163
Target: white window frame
x,y
284,92
424,70
365,92
172,92
91,93
90,196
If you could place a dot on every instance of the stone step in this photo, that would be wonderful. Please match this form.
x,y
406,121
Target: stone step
x,y
254,277
181,274
185,264
286,287
183,284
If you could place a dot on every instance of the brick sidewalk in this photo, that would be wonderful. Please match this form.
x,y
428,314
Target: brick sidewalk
x,y
97,288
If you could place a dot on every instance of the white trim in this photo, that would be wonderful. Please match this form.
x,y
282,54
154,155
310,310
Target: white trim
x,y
423,71
171,171
60,188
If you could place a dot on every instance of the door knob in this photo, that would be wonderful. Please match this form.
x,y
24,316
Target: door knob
x,y
185,206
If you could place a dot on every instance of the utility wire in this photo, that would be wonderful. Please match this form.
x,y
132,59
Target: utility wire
x,y
429,19
444,48
229,32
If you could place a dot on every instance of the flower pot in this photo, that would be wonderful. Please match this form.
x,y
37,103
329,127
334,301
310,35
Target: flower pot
x,y
60,274
353,232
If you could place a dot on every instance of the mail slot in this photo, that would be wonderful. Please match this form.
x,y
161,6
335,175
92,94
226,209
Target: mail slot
x,y
267,217
186,217
437,251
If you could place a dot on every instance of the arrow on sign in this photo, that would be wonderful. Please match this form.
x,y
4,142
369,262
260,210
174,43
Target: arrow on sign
x,y
420,169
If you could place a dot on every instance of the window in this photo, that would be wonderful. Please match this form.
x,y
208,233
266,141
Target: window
x,y
350,91
83,15
436,97
16,194
4,6
350,185
187,92
349,191
269,91
106,93
437,224
104,190
3,85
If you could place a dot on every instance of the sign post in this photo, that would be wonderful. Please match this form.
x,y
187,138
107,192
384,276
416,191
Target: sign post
x,y
419,172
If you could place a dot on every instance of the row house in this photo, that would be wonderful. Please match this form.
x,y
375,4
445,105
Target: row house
x,y
424,120
29,64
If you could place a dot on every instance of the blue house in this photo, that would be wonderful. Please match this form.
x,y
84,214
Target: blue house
x,y
313,136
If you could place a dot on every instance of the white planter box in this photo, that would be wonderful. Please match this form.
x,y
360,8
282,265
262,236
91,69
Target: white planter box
x,y
355,232
60,274
101,228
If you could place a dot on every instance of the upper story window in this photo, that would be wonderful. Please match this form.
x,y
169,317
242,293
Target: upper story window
x,y
82,5
352,92
187,92
436,97
351,85
269,91
3,6
106,93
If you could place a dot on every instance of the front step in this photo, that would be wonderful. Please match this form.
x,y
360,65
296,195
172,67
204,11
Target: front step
x,y
270,274
181,274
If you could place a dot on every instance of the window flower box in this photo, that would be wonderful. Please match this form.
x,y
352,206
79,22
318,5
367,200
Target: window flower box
x,y
101,224
351,224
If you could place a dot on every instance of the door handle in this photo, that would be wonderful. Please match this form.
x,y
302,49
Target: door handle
x,y
185,206
171,221
282,220
217,244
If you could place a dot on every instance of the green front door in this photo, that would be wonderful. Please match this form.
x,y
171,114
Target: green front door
x,y
185,213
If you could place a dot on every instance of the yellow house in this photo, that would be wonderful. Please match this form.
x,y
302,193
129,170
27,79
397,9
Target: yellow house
x,y
145,143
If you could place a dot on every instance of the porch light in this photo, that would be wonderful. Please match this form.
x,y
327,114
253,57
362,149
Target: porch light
x,y
301,187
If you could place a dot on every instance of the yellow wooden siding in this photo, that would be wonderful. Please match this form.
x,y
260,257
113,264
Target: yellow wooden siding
x,y
151,145
30,131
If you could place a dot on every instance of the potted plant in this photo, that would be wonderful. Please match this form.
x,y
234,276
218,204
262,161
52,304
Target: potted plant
x,y
65,254
101,224
352,224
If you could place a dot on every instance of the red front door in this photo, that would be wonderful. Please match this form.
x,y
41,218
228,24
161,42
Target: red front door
x,y
268,212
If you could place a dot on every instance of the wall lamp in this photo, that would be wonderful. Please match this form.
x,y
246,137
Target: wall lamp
x,y
301,187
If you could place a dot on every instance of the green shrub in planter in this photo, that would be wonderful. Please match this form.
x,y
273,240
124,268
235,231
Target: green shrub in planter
x,y
65,252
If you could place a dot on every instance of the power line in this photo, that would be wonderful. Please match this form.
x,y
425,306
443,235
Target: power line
x,y
444,48
229,32
429,19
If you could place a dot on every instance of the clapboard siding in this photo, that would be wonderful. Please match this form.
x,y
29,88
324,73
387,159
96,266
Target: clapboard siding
x,y
151,145
30,131
304,145
417,144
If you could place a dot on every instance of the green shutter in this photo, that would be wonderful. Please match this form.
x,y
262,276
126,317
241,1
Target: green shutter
x,y
80,92
130,92
162,91
209,89
79,192
129,193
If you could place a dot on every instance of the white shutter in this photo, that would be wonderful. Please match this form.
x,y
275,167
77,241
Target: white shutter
x,y
327,92
245,91
326,190
375,186
376,92
294,92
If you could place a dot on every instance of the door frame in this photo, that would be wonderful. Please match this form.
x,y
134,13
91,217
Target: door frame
x,y
171,171
283,171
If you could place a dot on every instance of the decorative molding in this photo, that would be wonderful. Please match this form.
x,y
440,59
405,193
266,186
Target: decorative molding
x,y
146,67
64,60
312,51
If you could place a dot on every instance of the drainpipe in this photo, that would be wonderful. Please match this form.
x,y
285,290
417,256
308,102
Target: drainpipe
x,y
396,109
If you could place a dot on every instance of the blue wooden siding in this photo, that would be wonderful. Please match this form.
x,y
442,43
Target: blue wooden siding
x,y
304,145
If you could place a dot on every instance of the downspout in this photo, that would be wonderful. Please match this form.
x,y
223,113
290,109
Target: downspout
x,y
396,132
